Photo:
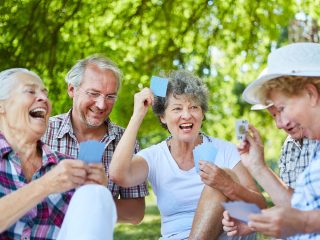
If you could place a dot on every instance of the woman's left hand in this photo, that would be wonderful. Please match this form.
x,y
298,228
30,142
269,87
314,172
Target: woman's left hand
x,y
215,177
96,174
234,227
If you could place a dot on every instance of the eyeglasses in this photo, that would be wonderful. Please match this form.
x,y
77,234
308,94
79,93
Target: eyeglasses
x,y
96,95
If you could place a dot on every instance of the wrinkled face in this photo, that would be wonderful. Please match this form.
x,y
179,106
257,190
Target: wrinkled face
x,y
296,109
93,100
183,118
27,110
291,128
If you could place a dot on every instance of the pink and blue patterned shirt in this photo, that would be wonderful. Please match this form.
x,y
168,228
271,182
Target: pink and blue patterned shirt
x,y
44,220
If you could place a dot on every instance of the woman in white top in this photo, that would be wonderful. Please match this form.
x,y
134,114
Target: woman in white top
x,y
170,166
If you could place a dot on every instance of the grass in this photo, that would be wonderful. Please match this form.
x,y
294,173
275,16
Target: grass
x,y
149,229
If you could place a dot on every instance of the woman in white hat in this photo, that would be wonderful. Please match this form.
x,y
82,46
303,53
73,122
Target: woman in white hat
x,y
292,84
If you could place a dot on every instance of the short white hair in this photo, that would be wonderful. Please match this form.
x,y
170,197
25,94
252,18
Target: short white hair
x,y
75,75
8,80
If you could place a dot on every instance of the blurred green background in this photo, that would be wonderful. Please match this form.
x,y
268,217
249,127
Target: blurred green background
x,y
224,42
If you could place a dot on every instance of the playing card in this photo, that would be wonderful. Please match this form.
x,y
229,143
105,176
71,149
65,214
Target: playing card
x,y
241,129
241,210
206,152
159,86
91,151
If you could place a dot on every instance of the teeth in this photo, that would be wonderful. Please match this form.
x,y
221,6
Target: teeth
x,y
186,125
38,112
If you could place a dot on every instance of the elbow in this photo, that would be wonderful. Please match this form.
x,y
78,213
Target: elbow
x,y
138,216
138,219
118,179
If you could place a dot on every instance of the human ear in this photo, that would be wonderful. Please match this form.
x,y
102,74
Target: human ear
x,y
71,90
312,93
163,120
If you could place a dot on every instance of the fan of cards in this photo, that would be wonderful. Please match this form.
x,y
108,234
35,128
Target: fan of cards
x,y
206,152
241,129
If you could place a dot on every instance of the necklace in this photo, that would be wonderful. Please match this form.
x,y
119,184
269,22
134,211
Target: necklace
x,y
169,142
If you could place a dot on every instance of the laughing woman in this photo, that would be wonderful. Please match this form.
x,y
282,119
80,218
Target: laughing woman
x,y
170,167
35,184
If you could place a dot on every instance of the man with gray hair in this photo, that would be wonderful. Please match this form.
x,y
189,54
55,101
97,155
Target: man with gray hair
x,y
93,85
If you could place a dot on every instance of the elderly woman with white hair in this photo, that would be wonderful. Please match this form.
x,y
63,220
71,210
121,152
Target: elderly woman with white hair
x,y
36,184
292,85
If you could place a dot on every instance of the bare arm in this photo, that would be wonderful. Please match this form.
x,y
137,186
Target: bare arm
x,y
66,175
245,189
126,170
130,210
241,187
252,157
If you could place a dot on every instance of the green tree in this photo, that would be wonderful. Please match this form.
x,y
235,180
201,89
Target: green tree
x,y
224,42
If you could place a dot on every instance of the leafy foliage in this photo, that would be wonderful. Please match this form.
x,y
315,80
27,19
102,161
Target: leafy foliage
x,y
224,42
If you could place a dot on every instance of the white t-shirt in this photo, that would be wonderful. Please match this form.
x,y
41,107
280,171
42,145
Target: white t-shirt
x,y
178,191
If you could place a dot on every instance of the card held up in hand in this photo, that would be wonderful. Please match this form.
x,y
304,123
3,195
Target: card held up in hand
x,y
159,86
91,151
241,129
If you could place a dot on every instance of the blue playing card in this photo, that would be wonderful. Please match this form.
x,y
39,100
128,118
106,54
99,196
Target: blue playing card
x,y
241,210
206,152
159,86
91,151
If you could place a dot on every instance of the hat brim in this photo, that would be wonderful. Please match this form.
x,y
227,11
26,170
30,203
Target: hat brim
x,y
252,91
261,106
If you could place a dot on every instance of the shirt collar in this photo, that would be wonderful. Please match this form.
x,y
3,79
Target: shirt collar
x,y
48,157
5,148
66,127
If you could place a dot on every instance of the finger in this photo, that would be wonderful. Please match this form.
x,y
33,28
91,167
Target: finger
x,y
97,179
259,218
259,226
232,233
229,229
96,166
74,163
76,181
255,134
227,222
82,173
226,215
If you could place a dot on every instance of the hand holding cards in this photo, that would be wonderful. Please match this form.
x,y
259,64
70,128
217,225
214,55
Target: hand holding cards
x,y
241,129
91,151
206,152
159,86
241,210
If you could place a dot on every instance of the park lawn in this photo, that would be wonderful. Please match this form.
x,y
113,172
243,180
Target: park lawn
x,y
149,229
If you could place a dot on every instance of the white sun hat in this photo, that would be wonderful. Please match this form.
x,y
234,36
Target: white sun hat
x,y
297,59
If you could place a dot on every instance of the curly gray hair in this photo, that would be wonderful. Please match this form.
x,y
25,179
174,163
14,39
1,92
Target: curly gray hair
x,y
182,82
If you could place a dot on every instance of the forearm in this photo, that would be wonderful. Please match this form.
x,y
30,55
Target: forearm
x,y
14,205
130,210
120,165
239,192
310,221
274,186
